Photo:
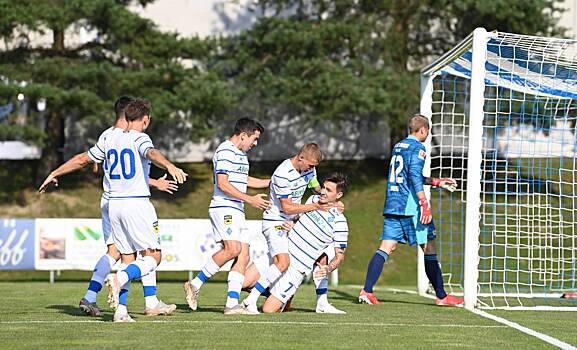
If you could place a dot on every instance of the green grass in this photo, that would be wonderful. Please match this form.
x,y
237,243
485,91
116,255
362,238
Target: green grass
x,y
40,315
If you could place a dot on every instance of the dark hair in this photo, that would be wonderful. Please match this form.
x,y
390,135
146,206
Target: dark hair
x,y
340,179
312,150
248,126
137,109
416,122
121,104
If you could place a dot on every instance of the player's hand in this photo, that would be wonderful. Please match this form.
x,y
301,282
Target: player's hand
x,y
321,271
426,212
340,207
287,225
164,185
446,183
258,201
49,180
178,174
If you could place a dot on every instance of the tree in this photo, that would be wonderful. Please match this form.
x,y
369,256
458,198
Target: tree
x,y
359,60
126,55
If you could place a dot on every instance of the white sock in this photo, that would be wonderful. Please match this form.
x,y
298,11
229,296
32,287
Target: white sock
x,y
321,285
235,281
121,309
101,270
207,272
268,277
149,288
136,269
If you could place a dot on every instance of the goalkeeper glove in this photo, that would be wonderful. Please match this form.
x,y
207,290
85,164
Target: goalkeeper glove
x,y
426,213
445,182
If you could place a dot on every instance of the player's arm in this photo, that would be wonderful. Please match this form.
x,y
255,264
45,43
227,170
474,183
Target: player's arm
x,y
160,161
314,185
227,188
417,163
253,182
164,185
442,182
290,208
324,270
75,163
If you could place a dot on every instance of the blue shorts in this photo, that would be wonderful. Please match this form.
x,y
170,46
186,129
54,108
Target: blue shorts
x,y
407,229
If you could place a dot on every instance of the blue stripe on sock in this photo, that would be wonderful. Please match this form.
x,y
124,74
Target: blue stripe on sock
x,y
149,290
322,291
234,295
260,288
95,286
201,276
431,257
132,271
266,293
122,296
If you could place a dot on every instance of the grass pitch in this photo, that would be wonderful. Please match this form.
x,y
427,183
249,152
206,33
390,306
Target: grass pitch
x,y
40,315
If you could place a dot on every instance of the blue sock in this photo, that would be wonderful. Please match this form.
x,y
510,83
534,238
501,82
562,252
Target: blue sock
x,y
374,270
434,274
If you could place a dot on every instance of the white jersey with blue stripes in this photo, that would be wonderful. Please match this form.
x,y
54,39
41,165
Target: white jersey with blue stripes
x,y
286,182
126,169
228,159
313,233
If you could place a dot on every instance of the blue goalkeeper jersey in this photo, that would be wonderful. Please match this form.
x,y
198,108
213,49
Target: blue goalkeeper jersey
x,y
405,177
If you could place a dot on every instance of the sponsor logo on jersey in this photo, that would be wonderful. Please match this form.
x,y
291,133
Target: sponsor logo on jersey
x,y
242,169
422,154
228,219
322,224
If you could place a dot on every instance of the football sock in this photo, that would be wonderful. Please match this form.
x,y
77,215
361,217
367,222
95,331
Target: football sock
x,y
149,288
374,270
101,270
122,297
268,277
207,272
322,288
435,275
136,269
235,281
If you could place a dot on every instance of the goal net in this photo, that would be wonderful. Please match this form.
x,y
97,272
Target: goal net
x,y
503,113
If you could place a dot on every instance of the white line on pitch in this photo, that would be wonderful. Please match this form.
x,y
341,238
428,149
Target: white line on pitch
x,y
546,338
305,323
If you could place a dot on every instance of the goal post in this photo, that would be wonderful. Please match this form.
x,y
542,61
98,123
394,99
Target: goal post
x,y
503,110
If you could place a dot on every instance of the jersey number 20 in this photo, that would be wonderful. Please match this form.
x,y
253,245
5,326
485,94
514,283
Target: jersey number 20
x,y
113,158
396,168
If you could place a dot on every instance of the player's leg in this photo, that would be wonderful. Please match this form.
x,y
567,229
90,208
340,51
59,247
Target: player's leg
x,y
426,238
278,248
226,226
236,277
283,290
153,305
322,289
392,233
103,266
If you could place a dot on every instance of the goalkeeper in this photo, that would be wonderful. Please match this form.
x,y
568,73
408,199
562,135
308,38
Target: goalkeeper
x,y
407,213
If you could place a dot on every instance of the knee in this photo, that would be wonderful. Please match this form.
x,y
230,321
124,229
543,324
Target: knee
x,y
283,265
269,309
232,250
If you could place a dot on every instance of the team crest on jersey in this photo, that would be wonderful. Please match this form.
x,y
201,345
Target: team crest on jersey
x,y
155,227
331,219
228,219
422,154
278,228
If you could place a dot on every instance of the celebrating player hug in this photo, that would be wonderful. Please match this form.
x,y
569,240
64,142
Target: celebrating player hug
x,y
297,235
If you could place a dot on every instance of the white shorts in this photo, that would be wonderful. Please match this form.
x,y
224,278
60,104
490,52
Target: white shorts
x,y
228,225
276,238
106,230
287,284
134,225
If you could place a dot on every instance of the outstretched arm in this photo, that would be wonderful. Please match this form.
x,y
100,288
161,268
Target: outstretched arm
x,y
160,161
225,186
253,182
164,185
75,163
